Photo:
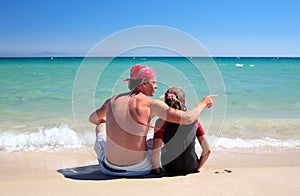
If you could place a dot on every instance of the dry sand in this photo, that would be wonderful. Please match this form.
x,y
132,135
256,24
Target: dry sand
x,y
227,172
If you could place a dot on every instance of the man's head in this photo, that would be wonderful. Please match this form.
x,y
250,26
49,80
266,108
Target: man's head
x,y
141,75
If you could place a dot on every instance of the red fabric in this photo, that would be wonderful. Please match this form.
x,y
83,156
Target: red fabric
x,y
200,130
159,134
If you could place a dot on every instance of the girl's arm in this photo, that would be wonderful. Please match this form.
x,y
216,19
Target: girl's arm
x,y
205,150
157,143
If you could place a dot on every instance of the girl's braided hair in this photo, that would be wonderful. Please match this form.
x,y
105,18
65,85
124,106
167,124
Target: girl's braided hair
x,y
174,97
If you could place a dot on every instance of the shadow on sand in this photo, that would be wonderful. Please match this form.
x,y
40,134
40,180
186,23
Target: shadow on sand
x,y
92,172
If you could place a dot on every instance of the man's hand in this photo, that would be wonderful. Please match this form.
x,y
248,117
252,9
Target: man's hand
x,y
208,100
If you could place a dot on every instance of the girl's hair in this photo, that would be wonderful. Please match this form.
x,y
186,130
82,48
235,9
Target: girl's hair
x,y
174,97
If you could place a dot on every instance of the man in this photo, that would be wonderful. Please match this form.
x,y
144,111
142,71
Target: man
x,y
123,150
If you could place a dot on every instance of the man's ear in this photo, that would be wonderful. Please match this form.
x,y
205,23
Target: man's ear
x,y
144,82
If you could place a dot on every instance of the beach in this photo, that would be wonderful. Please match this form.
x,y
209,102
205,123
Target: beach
x,y
227,172
46,141
60,61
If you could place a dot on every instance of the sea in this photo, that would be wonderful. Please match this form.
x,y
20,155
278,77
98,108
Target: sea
x,y
45,102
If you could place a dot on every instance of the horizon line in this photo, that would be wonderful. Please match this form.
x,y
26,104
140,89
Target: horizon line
x,y
150,56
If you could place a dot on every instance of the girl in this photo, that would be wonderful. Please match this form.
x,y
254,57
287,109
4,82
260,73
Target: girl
x,y
178,153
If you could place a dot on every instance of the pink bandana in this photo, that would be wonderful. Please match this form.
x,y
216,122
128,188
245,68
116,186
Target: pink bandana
x,y
139,71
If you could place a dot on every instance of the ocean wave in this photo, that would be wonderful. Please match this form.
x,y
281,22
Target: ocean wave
x,y
255,143
51,139
63,137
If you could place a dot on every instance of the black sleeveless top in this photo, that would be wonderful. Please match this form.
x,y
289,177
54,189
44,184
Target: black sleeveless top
x,y
178,154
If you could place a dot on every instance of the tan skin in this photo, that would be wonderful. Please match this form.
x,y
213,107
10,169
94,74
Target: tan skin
x,y
126,139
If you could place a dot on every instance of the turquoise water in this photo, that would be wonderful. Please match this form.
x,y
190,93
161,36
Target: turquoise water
x,y
262,97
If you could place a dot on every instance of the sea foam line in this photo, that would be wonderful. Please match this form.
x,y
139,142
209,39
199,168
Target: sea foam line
x,y
63,137
255,143
43,140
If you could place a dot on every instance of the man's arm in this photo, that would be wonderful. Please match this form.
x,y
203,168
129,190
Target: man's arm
x,y
99,116
162,110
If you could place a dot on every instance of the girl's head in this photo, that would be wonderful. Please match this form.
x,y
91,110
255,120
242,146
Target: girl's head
x,y
175,98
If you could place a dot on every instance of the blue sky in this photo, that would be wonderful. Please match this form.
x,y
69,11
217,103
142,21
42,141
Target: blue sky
x,y
224,27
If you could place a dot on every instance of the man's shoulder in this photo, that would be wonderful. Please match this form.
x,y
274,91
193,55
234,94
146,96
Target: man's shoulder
x,y
118,96
159,103
143,97
149,101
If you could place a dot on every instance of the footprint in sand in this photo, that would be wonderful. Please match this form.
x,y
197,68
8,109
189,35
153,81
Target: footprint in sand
x,y
222,172
227,170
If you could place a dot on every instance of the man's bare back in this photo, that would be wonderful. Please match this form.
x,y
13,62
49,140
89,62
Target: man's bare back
x,y
126,138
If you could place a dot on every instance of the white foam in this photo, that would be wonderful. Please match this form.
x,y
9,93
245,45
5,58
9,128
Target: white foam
x,y
255,143
239,65
42,140
63,137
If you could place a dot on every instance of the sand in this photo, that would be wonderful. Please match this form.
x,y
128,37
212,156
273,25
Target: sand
x,y
227,172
